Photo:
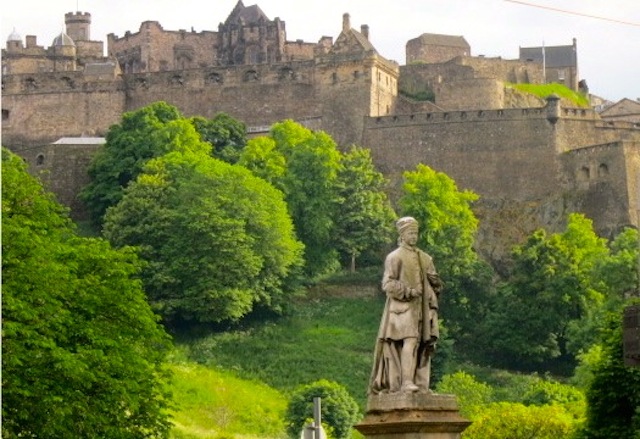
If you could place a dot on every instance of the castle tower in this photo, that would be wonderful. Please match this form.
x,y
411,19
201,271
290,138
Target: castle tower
x,y
14,42
78,25
63,50
248,36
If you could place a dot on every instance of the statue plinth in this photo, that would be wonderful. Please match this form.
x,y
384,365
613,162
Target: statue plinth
x,y
412,416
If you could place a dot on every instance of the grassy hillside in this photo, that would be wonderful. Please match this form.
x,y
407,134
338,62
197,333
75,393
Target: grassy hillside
x,y
544,90
211,403
236,383
331,338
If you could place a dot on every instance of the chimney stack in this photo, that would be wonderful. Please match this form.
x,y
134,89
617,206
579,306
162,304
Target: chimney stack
x,y
364,30
346,23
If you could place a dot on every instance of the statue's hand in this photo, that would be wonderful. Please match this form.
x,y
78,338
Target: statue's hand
x,y
412,293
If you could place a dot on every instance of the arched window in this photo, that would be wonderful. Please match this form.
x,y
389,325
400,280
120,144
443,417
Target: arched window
x,y
40,160
584,173
603,170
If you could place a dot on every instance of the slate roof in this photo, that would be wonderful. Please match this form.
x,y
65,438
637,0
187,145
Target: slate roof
x,y
443,40
246,14
80,141
555,56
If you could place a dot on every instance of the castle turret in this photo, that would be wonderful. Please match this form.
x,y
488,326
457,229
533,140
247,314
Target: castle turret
x,y
64,53
78,25
14,41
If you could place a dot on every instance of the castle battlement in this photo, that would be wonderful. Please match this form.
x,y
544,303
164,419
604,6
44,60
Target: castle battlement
x,y
489,115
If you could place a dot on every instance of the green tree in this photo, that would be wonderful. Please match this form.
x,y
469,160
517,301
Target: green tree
x,y
82,351
217,239
338,408
516,421
619,272
472,395
141,135
447,232
447,223
613,395
303,164
549,298
364,223
227,135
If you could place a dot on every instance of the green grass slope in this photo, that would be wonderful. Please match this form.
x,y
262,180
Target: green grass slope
x,y
211,403
545,90
330,338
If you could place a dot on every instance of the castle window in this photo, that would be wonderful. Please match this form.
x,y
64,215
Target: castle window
x,y
253,55
603,170
286,73
251,75
334,77
213,78
68,82
30,84
40,159
5,115
584,174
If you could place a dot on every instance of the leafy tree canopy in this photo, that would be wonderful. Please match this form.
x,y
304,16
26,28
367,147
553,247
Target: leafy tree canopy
x,y
304,165
151,132
552,292
338,408
364,222
141,135
82,350
227,135
218,239
517,421
447,223
613,395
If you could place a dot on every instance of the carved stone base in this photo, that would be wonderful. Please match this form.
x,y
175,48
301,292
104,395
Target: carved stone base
x,y
412,416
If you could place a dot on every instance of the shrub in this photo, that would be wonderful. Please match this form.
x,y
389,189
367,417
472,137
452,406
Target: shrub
x,y
338,409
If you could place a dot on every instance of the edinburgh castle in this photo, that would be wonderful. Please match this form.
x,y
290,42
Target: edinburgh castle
x,y
532,161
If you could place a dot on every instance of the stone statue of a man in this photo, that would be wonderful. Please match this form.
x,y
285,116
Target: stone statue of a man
x,y
409,327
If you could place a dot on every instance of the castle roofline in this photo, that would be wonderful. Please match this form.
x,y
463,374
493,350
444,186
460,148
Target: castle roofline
x,y
14,36
442,40
242,14
80,141
62,40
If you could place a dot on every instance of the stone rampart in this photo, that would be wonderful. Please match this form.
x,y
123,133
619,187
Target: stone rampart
x,y
43,108
497,153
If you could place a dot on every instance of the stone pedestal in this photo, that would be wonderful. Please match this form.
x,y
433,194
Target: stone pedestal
x,y
412,416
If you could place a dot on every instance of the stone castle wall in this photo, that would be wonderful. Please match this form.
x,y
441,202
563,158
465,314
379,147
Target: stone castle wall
x,y
46,107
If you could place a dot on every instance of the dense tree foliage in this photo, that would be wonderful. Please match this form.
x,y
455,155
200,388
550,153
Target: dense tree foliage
x,y
364,222
613,394
338,409
549,298
447,223
218,240
517,421
304,165
82,351
129,145
227,135
149,132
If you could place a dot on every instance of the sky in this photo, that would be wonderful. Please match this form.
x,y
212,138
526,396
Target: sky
x,y
607,31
